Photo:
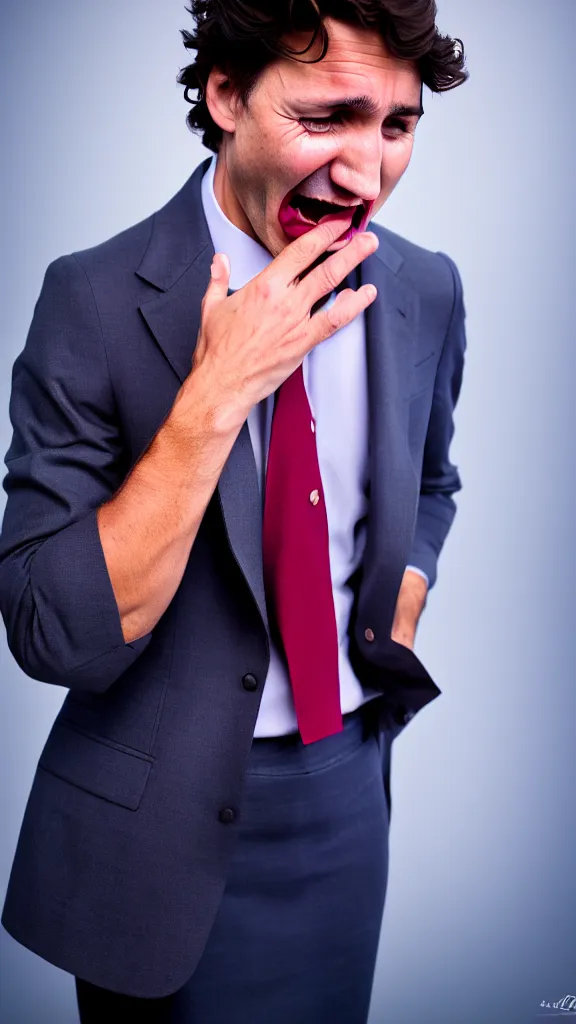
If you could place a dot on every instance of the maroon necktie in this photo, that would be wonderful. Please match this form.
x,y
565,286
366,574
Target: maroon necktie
x,y
296,563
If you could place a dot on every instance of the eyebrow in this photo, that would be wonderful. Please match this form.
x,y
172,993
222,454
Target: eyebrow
x,y
366,105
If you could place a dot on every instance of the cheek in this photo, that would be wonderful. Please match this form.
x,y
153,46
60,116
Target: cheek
x,y
283,157
318,150
395,161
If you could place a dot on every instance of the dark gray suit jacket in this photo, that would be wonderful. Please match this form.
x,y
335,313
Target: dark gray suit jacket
x,y
123,852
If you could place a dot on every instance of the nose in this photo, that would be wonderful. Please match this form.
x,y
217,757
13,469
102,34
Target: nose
x,y
357,169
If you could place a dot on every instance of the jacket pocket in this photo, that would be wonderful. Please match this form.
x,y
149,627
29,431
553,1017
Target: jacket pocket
x,y
96,764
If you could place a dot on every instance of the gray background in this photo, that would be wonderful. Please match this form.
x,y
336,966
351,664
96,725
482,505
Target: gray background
x,y
480,919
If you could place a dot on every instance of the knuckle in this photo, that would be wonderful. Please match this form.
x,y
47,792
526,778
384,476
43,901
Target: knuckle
x,y
331,228
298,338
335,317
302,248
263,288
331,276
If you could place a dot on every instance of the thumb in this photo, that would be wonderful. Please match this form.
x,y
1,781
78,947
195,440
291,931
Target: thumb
x,y
219,280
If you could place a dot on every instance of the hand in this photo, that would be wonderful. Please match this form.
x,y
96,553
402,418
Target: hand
x,y
250,342
409,607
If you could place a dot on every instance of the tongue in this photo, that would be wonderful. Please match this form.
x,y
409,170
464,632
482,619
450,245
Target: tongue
x,y
294,223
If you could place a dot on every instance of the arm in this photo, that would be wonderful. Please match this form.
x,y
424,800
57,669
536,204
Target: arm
x,y
440,478
72,587
90,558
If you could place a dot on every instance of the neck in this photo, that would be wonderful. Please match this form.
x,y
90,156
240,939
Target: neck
x,y
226,197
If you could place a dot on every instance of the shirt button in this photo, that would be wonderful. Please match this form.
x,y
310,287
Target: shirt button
x,y
226,816
314,497
249,682
368,633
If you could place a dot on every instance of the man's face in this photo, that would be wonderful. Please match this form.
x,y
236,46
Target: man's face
x,y
297,143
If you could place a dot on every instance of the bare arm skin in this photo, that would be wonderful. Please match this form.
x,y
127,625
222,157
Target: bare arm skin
x,y
149,526
248,344
409,608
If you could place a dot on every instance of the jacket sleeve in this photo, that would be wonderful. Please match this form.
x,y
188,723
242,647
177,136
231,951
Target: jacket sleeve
x,y
65,459
440,478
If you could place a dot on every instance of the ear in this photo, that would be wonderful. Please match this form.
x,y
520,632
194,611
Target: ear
x,y
221,100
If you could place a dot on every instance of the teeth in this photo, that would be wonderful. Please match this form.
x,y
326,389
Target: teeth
x,y
303,218
320,199
312,210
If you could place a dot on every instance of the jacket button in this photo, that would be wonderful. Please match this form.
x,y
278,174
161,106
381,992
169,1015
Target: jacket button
x,y
249,682
369,634
226,816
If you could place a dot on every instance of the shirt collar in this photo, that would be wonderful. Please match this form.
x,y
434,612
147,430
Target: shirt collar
x,y
247,256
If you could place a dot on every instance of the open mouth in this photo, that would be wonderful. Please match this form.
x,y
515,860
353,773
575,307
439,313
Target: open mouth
x,y
299,214
314,210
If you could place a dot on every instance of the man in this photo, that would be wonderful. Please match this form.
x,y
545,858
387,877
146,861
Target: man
x,y
228,486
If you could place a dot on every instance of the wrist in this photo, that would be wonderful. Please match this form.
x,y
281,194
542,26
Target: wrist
x,y
220,415
194,442
200,414
404,633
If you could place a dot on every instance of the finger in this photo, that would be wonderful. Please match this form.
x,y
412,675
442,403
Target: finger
x,y
325,278
218,285
299,254
346,307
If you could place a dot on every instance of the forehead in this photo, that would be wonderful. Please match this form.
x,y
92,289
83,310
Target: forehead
x,y
356,57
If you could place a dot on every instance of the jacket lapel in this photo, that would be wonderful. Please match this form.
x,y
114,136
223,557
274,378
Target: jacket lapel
x,y
178,262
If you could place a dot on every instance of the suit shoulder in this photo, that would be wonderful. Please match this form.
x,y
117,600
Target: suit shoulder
x,y
121,252
426,270
126,249
105,273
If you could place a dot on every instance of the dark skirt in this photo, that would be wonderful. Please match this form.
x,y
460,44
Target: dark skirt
x,y
296,935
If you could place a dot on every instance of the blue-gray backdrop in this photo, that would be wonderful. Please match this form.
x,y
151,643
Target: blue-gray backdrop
x,y
480,923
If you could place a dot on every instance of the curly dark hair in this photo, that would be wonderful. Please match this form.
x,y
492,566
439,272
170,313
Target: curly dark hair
x,y
241,38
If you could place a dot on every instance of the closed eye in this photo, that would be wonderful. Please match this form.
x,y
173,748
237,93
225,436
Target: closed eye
x,y
393,127
396,126
319,123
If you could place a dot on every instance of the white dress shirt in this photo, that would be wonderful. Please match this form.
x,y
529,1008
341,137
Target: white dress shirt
x,y
336,385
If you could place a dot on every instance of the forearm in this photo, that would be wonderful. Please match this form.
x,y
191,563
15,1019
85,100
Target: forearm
x,y
148,527
409,607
